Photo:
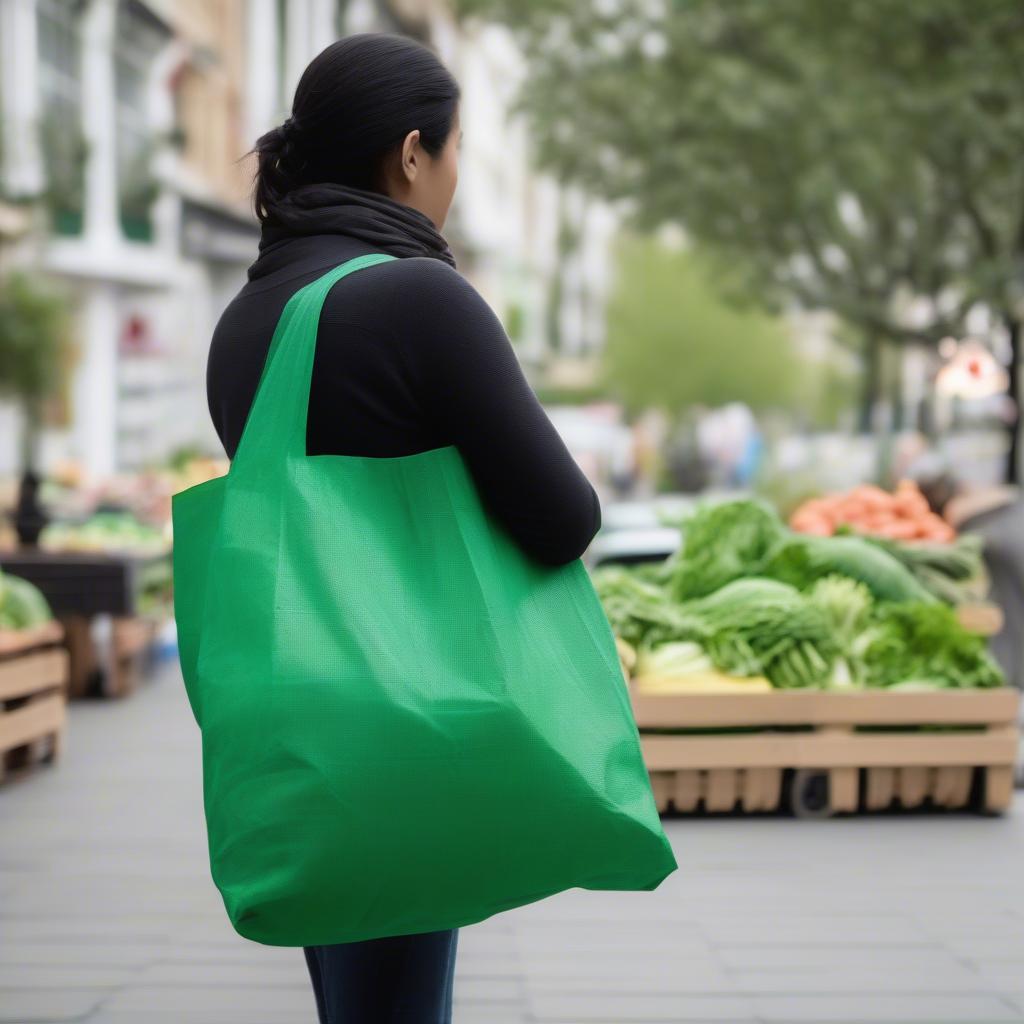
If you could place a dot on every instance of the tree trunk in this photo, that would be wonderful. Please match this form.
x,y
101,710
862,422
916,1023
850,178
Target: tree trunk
x,y
871,383
30,424
1013,455
896,392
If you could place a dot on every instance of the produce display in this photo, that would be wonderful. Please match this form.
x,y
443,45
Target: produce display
x,y
746,601
903,515
70,495
106,532
22,605
954,572
156,590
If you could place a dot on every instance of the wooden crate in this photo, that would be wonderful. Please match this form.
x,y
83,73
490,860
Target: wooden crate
x,y
131,639
33,677
112,667
815,746
84,670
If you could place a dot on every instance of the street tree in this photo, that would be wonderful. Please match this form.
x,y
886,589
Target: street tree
x,y
862,158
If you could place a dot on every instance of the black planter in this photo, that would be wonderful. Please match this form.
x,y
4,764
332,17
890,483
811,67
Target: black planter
x,y
29,516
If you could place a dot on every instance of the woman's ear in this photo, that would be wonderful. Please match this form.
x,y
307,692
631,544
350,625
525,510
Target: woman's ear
x,y
410,147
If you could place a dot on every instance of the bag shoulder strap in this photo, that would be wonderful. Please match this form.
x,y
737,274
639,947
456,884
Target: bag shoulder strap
x,y
276,422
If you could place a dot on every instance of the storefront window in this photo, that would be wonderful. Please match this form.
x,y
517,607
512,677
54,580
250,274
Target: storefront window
x,y
139,39
61,138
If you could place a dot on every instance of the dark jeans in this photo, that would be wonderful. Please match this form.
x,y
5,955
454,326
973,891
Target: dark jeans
x,y
401,979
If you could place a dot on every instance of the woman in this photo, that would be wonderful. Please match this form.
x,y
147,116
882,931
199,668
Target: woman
x,y
408,358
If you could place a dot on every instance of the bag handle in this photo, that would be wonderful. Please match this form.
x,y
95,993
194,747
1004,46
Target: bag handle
x,y
276,422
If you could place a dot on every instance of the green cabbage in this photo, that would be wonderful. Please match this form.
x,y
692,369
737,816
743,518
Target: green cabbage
x,y
22,605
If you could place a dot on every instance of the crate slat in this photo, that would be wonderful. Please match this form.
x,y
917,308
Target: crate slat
x,y
14,641
688,790
809,750
33,672
788,707
998,788
35,720
33,678
721,790
844,789
661,787
914,785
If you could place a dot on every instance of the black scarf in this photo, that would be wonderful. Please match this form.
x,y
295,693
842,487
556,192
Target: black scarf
x,y
330,208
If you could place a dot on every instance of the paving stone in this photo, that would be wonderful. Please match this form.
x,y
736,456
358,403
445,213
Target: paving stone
x,y
854,980
31,1005
199,1016
626,1009
476,1014
82,955
867,1007
825,929
586,938
489,990
471,964
211,998
235,975
789,958
51,977
650,973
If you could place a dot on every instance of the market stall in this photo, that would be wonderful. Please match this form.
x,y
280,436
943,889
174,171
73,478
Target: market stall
x,y
33,677
837,663
81,585
103,562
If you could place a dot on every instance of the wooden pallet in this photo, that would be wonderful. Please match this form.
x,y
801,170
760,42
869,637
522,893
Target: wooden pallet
x,y
814,745
33,677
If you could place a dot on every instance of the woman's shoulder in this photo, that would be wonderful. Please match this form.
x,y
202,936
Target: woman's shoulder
x,y
414,290
424,276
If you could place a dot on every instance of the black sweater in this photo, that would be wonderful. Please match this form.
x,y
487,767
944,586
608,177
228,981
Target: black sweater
x,y
408,357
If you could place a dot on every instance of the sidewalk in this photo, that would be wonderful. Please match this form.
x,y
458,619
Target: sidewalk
x,y
108,914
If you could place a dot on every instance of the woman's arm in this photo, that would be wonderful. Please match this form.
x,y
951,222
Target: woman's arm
x,y
472,387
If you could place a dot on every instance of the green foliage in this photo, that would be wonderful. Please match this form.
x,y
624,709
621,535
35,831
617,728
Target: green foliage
x,y
954,573
848,156
833,152
721,543
926,643
514,318
550,395
673,342
65,151
640,610
762,627
33,347
180,457
138,188
803,559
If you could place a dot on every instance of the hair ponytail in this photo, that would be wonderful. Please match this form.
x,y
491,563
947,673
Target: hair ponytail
x,y
354,104
278,164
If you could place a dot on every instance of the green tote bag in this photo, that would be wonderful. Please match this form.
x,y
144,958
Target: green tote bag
x,y
407,723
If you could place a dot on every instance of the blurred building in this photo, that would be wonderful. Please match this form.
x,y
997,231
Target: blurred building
x,y
124,126
121,124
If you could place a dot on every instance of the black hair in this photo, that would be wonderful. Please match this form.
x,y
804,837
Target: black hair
x,y
353,106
